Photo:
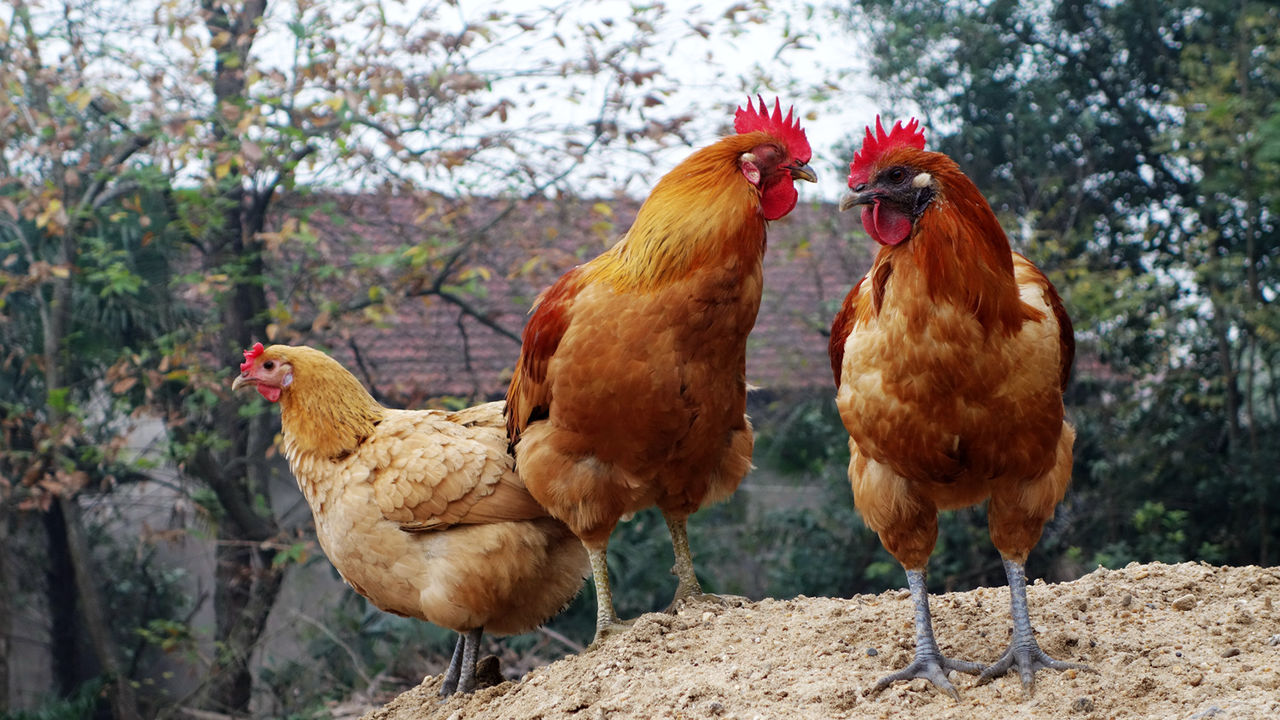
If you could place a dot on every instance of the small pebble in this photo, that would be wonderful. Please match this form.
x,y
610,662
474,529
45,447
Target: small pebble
x,y
1083,704
872,652
1186,602
1231,652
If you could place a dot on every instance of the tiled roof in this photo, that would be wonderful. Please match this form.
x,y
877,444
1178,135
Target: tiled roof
x,y
430,347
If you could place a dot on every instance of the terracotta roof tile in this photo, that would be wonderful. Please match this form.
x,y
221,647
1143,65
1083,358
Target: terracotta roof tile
x,y
430,347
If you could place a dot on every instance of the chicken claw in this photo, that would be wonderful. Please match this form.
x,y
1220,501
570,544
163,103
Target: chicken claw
x,y
929,662
1024,652
931,666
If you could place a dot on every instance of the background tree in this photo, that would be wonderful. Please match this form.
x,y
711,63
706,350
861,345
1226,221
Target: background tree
x,y
74,239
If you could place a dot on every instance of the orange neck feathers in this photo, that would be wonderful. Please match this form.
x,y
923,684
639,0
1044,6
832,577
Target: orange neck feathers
x,y
701,212
960,248
326,411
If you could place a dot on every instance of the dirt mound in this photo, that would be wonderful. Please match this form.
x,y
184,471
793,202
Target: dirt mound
x,y
1169,641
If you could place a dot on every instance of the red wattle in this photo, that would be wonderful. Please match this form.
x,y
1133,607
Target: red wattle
x,y
778,199
885,226
272,394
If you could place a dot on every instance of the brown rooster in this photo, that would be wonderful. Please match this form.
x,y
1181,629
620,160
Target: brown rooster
x,y
630,390
950,357
421,511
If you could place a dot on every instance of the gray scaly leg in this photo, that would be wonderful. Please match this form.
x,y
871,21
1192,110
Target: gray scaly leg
x,y
450,684
929,662
1024,652
467,678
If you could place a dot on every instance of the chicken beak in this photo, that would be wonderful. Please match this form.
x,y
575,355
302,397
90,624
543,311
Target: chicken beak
x,y
853,199
241,381
802,171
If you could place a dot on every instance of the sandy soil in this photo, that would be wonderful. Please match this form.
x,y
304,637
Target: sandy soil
x,y
1186,641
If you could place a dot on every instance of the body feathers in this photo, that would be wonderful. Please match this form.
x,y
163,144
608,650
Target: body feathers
x,y
420,511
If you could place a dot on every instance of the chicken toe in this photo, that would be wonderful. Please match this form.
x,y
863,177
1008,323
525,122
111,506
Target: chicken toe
x,y
1024,652
929,662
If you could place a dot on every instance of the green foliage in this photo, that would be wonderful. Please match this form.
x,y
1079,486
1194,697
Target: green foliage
x,y
83,704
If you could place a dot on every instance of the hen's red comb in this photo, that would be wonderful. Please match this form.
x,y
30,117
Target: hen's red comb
x,y
250,355
784,128
875,146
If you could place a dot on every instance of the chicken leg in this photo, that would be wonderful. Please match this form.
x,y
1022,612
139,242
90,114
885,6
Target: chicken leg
x,y
688,585
450,684
461,675
607,621
929,662
1024,652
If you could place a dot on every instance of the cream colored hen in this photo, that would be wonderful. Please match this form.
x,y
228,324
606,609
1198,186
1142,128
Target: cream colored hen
x,y
420,511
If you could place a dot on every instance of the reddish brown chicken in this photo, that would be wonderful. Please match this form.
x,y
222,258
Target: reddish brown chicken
x,y
630,390
950,357
420,511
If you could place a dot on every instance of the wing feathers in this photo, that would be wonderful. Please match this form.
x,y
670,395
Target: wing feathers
x,y
528,397
1025,272
433,470
840,329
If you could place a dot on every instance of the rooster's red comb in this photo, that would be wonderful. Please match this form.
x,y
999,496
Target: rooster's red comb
x,y
249,356
786,129
875,146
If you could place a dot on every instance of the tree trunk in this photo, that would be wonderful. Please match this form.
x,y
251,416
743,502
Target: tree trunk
x,y
247,589
247,582
7,591
64,623
124,703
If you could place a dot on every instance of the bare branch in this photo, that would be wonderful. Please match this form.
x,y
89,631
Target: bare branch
x,y
481,318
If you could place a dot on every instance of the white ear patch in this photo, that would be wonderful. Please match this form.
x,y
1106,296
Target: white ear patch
x,y
921,180
288,380
747,162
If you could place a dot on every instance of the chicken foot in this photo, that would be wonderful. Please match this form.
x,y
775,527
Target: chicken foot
x,y
929,662
461,675
607,621
1024,652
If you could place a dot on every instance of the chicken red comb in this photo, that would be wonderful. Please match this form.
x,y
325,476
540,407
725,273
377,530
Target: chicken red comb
x,y
784,128
875,146
250,355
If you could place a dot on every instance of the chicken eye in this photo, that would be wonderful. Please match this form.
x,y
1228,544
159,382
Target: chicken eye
x,y
897,175
269,365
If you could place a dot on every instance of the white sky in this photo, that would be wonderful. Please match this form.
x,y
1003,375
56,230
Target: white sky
x,y
823,53
796,55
